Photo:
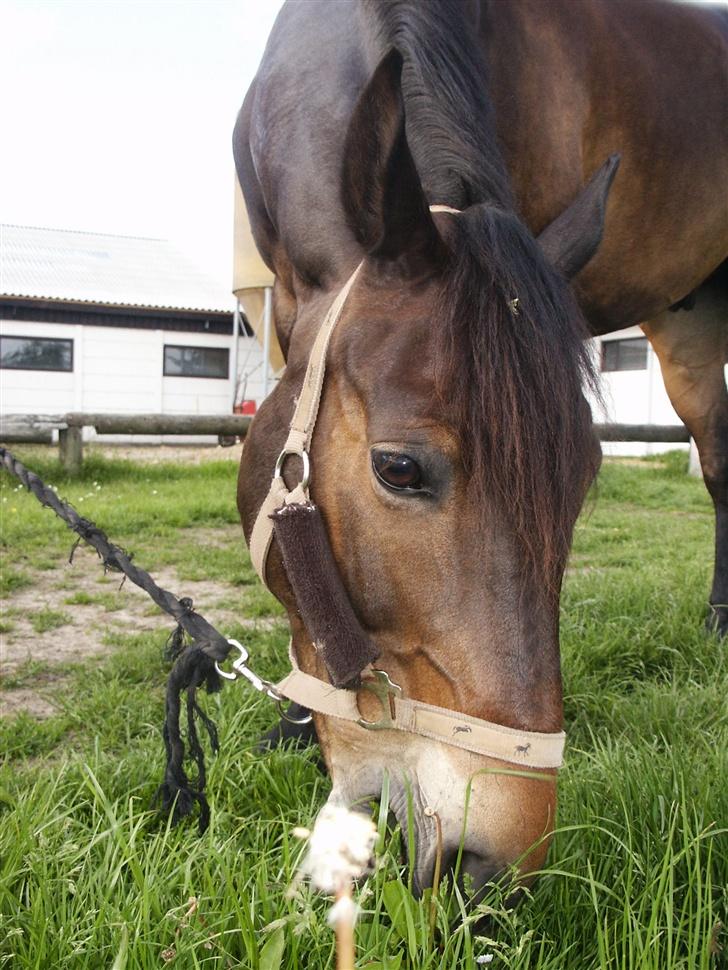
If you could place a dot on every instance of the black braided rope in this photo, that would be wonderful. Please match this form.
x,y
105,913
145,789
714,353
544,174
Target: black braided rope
x,y
194,647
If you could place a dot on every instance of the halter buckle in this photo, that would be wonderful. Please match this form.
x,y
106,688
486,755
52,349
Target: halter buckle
x,y
385,691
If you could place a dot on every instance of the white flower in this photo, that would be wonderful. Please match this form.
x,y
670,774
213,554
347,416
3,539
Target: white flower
x,y
339,848
485,958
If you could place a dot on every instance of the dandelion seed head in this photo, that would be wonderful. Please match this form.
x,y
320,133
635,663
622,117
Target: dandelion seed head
x,y
339,848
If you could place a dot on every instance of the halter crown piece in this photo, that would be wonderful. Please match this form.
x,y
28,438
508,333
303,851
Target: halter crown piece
x,y
327,613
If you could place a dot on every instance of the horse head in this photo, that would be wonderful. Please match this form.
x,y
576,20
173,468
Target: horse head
x,y
452,451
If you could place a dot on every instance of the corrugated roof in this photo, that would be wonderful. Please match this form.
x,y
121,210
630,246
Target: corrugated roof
x,y
93,267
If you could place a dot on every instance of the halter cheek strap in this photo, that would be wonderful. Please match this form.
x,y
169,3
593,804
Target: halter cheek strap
x,y
302,427
299,437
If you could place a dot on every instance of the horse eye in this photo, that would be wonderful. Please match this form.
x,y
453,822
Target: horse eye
x,y
397,471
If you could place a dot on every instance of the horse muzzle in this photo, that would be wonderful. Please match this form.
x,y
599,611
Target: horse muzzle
x,y
473,818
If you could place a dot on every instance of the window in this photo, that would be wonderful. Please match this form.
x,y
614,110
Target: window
x,y
36,353
196,361
624,354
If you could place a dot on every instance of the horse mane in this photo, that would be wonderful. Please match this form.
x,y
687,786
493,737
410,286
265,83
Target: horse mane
x,y
510,379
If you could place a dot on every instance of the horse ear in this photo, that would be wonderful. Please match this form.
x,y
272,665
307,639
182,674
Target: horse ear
x,y
573,237
381,191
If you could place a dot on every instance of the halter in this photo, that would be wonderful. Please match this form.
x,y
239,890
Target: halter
x,y
534,749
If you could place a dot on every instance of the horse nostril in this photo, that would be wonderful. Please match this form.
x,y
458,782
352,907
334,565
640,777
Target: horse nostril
x,y
476,871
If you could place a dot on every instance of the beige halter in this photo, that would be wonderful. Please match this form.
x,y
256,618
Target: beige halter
x,y
299,437
532,749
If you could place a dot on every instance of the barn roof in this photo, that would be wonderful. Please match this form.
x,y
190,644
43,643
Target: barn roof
x,y
103,270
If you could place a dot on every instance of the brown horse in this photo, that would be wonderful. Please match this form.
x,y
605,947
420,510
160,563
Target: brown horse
x,y
454,446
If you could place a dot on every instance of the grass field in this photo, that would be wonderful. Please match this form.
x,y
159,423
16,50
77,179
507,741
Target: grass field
x,y
637,878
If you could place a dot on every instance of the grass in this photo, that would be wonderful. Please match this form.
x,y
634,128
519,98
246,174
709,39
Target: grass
x,y
47,619
111,602
637,878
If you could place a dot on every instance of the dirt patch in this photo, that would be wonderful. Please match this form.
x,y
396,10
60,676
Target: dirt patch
x,y
25,700
45,629
158,454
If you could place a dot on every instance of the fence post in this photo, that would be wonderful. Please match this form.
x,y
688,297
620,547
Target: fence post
x,y
70,449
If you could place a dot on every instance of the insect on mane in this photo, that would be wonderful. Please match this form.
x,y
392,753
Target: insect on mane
x,y
510,377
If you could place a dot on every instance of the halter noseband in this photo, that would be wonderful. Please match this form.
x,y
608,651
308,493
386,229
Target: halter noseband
x,y
290,515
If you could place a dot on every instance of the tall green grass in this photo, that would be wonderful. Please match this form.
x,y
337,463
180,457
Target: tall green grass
x,y
637,878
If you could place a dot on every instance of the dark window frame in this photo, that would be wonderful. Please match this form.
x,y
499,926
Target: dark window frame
x,y
644,343
197,377
52,340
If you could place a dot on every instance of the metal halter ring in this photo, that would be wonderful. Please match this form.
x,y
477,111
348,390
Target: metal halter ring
x,y
292,720
303,455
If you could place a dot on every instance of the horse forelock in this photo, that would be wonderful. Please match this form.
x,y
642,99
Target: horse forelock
x,y
512,379
512,383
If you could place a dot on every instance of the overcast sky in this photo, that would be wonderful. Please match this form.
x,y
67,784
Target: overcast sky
x,y
117,116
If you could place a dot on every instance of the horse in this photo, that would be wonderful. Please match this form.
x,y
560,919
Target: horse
x,y
490,182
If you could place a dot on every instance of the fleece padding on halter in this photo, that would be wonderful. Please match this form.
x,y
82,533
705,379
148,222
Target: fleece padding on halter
x,y
320,595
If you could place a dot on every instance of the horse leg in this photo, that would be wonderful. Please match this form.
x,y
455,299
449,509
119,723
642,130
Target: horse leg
x,y
691,344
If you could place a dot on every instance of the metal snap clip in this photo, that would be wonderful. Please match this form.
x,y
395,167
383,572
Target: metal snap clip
x,y
238,663
241,669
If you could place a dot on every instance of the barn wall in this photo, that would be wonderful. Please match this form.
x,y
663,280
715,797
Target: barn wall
x,y
121,370
633,397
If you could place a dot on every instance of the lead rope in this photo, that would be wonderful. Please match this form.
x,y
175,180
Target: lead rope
x,y
195,646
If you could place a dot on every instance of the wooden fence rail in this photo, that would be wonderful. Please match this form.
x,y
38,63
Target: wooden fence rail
x,y
39,428
660,433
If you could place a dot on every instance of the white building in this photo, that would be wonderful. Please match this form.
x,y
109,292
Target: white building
x,y
632,388
101,323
